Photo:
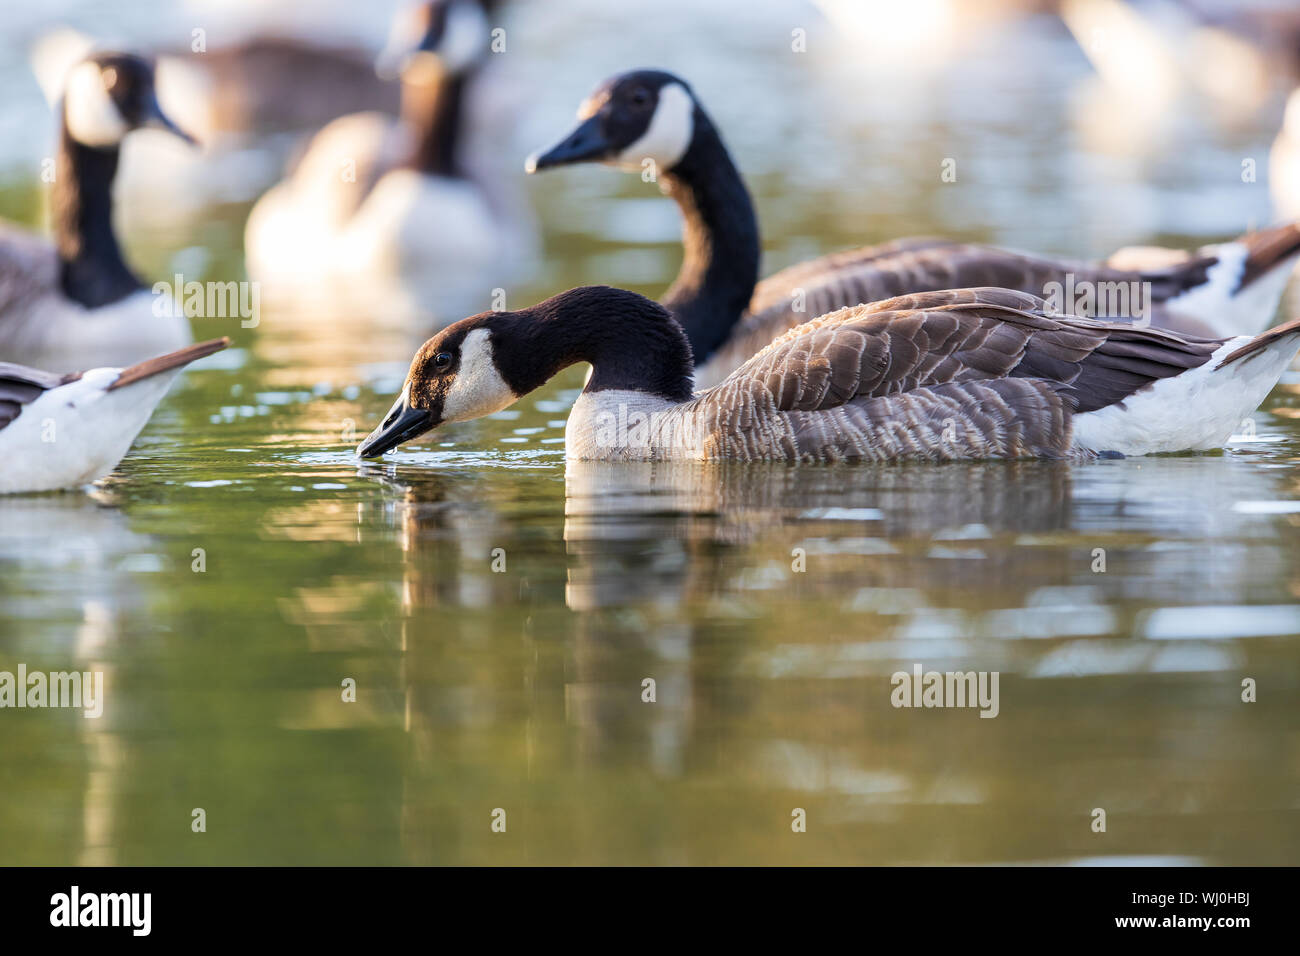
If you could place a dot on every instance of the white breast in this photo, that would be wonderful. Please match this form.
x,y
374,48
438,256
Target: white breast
x,y
418,245
620,425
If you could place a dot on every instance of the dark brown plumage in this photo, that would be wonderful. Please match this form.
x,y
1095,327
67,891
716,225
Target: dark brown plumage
x,y
963,373
918,265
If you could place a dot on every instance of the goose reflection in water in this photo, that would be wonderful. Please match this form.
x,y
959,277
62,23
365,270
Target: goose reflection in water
x,y
771,685
75,556
641,529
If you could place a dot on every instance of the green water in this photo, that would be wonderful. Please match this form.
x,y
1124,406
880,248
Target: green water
x,y
522,689
499,612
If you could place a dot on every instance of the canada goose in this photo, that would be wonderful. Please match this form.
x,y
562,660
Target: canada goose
x,y
955,374
247,100
392,220
649,116
269,83
76,302
62,431
1156,54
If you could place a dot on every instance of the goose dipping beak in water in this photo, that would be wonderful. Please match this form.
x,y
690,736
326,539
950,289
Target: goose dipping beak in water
x,y
64,431
957,374
402,423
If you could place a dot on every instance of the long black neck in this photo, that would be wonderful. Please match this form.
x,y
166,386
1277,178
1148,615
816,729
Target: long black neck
x,y
91,268
720,235
631,343
431,108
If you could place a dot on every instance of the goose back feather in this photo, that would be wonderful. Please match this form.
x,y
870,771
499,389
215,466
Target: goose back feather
x,y
882,273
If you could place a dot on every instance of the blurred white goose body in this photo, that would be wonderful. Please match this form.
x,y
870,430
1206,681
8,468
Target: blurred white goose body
x,y
63,431
389,257
42,327
392,219
1284,162
75,303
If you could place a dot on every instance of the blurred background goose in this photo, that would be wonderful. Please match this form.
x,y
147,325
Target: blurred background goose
x,y
249,99
407,219
76,303
956,374
62,431
1284,162
650,121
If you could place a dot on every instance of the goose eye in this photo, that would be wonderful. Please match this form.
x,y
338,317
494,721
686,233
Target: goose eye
x,y
442,361
640,97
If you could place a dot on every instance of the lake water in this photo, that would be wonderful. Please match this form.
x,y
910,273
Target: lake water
x,y
500,612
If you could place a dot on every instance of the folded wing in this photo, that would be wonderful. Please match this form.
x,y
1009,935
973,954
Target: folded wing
x,y
952,374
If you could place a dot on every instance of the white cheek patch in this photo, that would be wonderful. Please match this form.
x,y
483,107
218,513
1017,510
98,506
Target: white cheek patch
x,y
93,118
478,388
669,134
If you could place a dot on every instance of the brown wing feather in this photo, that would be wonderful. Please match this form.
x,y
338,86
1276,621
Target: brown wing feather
x,y
1001,418
960,336
923,265
989,363
778,287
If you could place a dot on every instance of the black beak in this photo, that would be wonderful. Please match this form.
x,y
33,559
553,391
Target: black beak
x,y
155,118
587,143
402,424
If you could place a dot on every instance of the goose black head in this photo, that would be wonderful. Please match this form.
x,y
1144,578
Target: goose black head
x,y
632,117
450,36
487,362
109,94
